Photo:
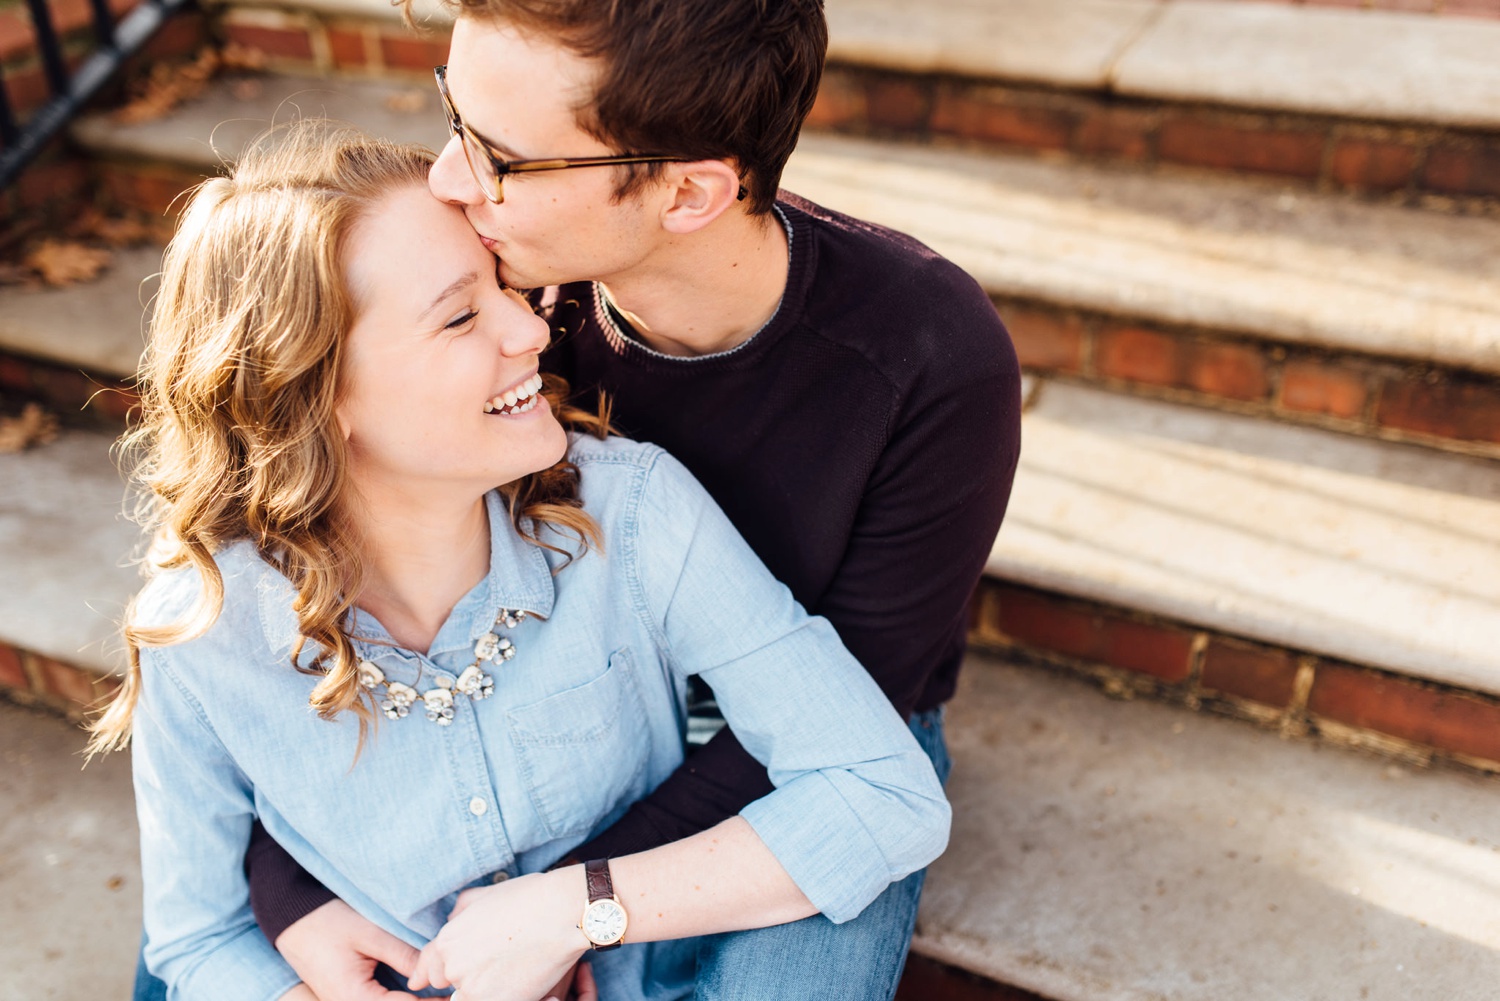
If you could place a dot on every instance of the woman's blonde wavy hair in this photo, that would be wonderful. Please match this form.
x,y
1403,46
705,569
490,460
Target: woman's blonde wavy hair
x,y
237,437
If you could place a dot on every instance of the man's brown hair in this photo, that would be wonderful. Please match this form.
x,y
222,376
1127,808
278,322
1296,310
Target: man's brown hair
x,y
701,79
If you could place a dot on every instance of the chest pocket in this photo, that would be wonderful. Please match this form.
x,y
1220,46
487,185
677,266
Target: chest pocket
x,y
583,751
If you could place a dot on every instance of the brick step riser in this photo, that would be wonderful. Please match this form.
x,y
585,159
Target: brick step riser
x,y
1391,399
1297,693
1434,166
69,391
36,680
1429,165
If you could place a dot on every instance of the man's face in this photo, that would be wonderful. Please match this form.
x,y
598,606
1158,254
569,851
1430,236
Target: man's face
x,y
518,92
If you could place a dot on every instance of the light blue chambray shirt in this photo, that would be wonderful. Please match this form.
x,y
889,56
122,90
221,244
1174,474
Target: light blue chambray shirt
x,y
588,717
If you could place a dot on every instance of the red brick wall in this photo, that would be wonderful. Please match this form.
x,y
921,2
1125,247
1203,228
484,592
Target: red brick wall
x,y
1419,162
1298,692
1383,398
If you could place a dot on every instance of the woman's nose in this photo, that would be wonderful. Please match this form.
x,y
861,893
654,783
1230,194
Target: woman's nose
x,y
525,333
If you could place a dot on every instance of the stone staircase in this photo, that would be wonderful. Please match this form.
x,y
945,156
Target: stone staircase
x,y
1247,252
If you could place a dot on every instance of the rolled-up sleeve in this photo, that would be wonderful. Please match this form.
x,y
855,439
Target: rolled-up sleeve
x,y
857,804
195,809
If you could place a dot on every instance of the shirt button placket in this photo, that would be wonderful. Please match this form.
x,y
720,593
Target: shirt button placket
x,y
488,839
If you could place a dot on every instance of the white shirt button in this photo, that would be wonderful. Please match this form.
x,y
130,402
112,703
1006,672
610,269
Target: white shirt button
x,y
478,807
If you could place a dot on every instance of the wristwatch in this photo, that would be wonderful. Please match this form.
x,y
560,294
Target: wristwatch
x,y
604,918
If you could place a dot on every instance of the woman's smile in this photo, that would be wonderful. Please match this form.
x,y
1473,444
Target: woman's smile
x,y
519,399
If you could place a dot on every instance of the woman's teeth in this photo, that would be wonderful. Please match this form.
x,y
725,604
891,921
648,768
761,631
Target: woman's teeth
x,y
516,401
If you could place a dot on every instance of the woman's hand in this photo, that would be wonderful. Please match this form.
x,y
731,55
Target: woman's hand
x,y
509,942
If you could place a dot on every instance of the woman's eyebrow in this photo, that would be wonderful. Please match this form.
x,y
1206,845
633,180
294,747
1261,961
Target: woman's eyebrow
x,y
462,282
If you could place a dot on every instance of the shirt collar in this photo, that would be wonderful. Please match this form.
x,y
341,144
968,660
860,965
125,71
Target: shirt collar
x,y
520,578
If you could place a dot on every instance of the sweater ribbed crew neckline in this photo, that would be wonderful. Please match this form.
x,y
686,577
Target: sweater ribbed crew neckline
x,y
800,263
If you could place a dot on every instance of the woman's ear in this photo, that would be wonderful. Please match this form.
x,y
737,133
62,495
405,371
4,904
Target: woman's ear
x,y
702,191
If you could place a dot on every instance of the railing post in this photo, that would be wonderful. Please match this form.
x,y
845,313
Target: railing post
x,y
104,23
49,46
117,43
8,131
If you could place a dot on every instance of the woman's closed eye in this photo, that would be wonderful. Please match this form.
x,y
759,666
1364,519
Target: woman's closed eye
x,y
461,319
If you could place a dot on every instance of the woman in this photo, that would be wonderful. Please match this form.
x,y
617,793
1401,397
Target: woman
x,y
366,505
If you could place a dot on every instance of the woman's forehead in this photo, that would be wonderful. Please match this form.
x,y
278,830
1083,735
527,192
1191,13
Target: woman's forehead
x,y
408,248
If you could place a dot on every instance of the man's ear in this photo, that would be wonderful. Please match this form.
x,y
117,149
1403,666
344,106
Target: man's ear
x,y
701,192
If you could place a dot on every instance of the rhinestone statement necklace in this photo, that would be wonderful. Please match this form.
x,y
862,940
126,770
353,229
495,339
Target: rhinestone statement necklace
x,y
438,701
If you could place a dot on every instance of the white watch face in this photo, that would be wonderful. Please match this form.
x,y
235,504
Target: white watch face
x,y
604,922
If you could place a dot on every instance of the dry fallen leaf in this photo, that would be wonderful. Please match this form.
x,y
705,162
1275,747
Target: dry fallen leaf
x,y
406,102
32,426
169,84
246,89
112,231
237,58
62,262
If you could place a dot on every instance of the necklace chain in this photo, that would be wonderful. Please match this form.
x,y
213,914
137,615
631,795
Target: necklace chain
x,y
473,681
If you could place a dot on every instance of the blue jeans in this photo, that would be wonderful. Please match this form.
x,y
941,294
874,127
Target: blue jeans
x,y
147,987
859,960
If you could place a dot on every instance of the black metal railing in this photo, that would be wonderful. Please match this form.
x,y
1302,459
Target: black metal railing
x,y
20,142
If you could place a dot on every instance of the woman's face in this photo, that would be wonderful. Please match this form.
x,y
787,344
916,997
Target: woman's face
x,y
440,375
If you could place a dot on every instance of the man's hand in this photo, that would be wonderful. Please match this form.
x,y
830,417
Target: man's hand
x,y
335,952
576,985
508,942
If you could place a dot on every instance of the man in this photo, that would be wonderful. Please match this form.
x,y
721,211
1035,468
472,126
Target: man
x,y
849,398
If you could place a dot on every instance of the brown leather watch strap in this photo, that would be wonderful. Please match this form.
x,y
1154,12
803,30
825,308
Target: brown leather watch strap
x,y
596,875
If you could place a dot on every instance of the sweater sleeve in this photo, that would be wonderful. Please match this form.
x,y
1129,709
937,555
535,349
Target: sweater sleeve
x,y
281,891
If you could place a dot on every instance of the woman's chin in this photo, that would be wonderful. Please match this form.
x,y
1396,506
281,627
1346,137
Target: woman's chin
x,y
537,440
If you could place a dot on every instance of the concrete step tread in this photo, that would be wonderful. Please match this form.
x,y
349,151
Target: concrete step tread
x,y
1358,64
1382,554
67,546
98,327
1385,65
1108,851
1230,255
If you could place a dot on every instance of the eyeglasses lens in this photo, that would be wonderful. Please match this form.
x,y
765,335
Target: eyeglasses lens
x,y
482,167
480,163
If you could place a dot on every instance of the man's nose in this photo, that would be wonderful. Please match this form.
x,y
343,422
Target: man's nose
x,y
450,178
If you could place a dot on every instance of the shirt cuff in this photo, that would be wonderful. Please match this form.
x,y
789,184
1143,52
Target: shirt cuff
x,y
842,875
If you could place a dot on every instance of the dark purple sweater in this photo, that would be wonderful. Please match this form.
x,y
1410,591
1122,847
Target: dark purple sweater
x,y
863,442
